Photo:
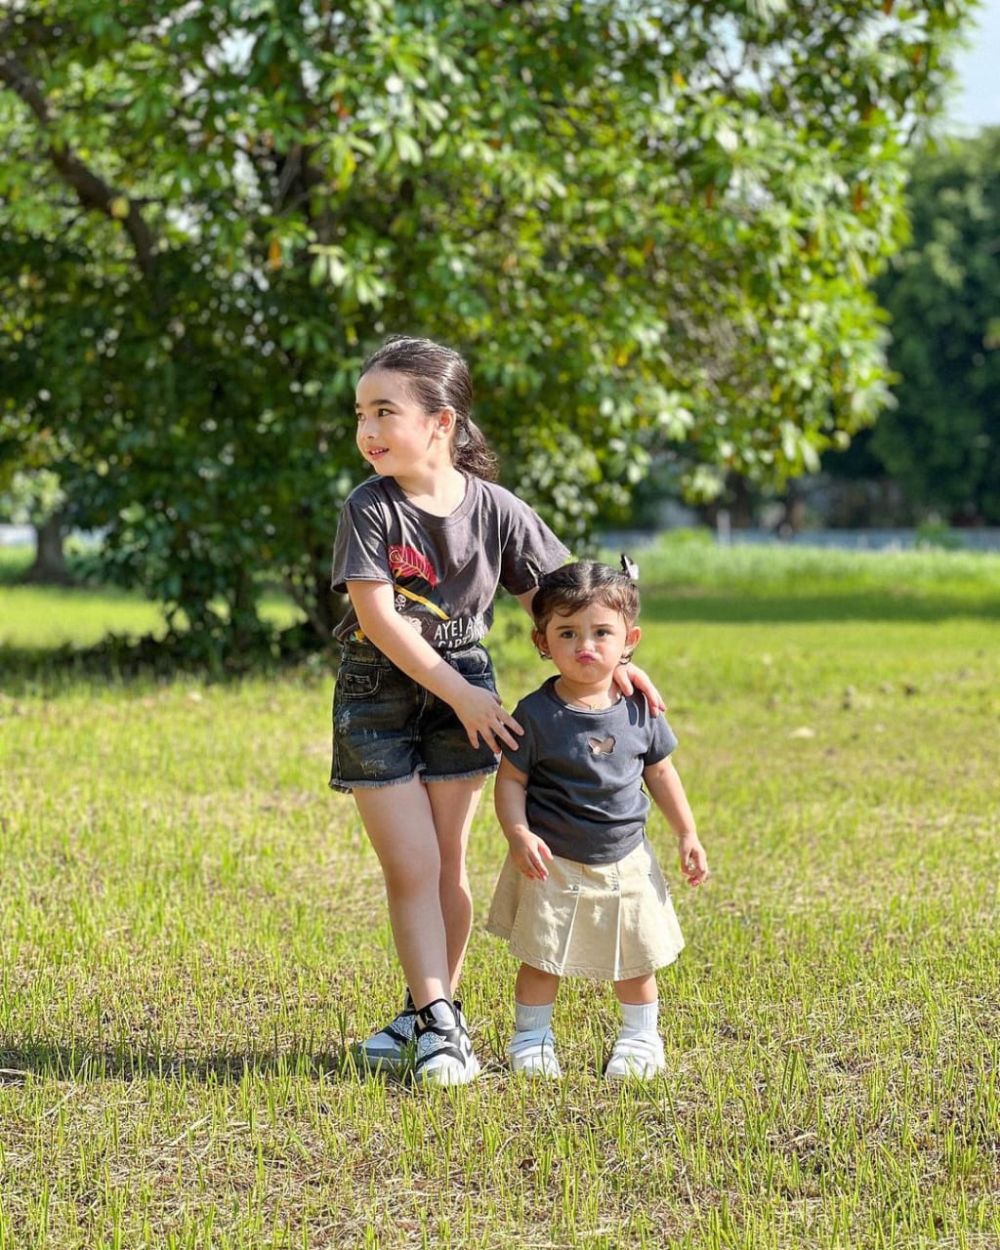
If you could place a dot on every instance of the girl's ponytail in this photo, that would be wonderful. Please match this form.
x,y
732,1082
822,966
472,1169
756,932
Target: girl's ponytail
x,y
472,453
440,379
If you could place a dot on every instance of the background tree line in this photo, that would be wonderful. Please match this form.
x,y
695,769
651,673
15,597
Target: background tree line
x,y
940,441
935,449
653,228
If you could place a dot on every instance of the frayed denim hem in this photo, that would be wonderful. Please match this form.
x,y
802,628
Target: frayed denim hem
x,y
345,787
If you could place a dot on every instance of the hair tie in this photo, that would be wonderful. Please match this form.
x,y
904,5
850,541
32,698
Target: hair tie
x,y
630,568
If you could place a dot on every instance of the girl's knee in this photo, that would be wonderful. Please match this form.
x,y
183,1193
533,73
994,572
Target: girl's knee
x,y
408,878
454,877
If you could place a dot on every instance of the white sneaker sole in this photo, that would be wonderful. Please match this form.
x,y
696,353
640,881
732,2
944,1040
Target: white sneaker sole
x,y
448,1072
539,1072
634,1071
541,1065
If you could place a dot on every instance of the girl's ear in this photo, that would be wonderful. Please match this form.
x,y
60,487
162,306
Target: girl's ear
x,y
446,421
538,638
632,640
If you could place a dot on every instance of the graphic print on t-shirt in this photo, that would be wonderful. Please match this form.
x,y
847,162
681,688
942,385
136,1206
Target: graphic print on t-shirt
x,y
417,596
415,579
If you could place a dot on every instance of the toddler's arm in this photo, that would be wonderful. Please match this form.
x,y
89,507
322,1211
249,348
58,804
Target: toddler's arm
x,y
479,711
665,788
527,849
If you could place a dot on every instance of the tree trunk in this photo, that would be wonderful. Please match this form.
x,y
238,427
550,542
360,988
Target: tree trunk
x,y
49,567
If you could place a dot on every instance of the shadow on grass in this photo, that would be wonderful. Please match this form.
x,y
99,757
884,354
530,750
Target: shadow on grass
x,y
144,661
82,1061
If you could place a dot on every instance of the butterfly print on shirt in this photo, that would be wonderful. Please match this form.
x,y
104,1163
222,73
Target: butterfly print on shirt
x,y
602,746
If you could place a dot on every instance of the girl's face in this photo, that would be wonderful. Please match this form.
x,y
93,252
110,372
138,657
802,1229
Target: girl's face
x,y
395,435
587,645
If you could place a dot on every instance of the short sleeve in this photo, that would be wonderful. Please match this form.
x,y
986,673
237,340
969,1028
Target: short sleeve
x,y
526,754
529,549
662,741
361,548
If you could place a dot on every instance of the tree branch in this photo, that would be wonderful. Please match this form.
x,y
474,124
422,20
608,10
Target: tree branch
x,y
91,190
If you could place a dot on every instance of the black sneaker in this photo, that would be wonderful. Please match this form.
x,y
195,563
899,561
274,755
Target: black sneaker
x,y
390,1047
444,1050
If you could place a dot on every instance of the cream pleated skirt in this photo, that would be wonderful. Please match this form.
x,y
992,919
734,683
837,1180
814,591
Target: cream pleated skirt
x,y
610,922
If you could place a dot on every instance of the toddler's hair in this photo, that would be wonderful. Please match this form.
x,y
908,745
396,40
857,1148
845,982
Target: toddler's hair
x,y
575,586
439,378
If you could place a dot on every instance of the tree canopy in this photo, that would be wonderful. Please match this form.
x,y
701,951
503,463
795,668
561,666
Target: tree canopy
x,y
646,224
941,441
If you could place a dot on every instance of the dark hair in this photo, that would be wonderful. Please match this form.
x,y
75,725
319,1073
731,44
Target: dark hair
x,y
575,586
439,378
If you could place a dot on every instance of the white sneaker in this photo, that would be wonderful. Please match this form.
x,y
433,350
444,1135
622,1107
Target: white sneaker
x,y
636,1058
390,1047
532,1052
444,1049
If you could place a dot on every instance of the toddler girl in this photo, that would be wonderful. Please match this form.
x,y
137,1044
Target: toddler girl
x,y
581,893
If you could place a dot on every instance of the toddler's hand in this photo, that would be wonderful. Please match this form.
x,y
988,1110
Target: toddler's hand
x,y
694,861
529,854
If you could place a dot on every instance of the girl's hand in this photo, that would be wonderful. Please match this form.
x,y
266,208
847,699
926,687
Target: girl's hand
x,y
694,861
483,716
529,854
629,678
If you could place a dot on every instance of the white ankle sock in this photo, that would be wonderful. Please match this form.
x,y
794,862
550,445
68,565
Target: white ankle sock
x,y
639,1019
528,1019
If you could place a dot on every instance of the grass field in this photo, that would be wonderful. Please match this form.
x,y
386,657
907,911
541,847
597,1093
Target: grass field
x,y
193,928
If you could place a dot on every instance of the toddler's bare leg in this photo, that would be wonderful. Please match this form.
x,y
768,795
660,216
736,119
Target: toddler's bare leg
x,y
532,1049
638,1049
637,990
535,988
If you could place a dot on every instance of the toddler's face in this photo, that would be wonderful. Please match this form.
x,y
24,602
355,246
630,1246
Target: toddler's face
x,y
587,645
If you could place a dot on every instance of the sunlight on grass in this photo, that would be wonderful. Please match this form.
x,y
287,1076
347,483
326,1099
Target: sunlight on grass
x,y
194,928
764,571
46,617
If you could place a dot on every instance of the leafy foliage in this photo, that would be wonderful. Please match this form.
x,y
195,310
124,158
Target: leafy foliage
x,y
942,441
648,225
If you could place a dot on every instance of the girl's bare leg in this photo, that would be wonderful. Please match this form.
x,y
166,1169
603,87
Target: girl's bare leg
x,y
453,804
399,822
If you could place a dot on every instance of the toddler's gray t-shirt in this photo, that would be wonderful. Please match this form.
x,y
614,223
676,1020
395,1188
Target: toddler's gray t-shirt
x,y
584,792
445,570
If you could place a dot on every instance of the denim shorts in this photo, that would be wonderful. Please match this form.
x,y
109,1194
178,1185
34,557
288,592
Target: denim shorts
x,y
387,728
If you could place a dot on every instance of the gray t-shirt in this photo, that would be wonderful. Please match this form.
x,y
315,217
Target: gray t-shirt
x,y
584,768
445,570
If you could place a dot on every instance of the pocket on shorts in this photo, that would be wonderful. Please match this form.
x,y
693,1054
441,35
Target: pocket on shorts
x,y
358,681
475,666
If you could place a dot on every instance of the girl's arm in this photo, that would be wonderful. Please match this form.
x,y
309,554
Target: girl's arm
x,y
527,850
527,598
480,712
665,788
